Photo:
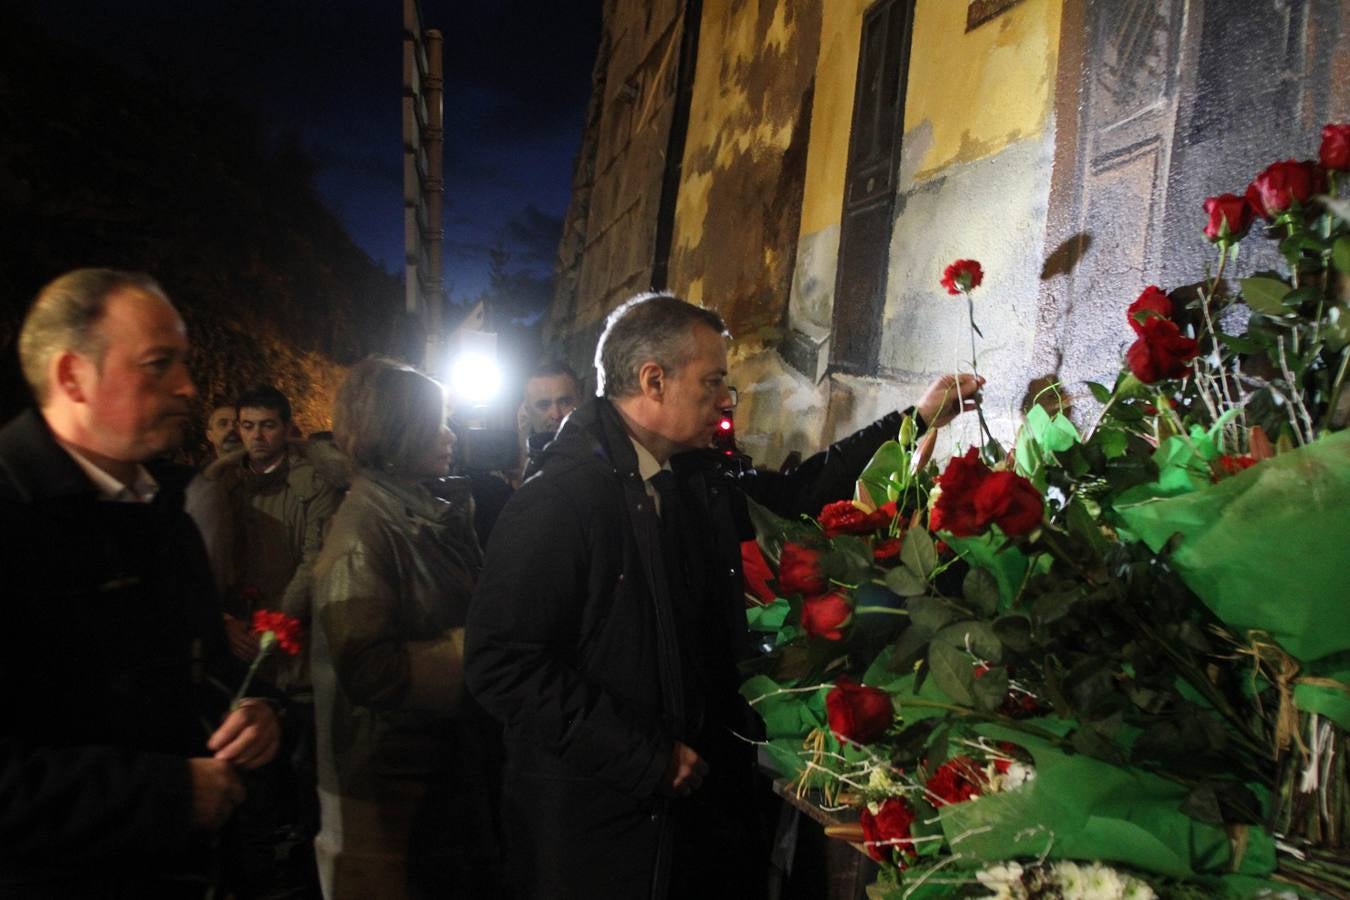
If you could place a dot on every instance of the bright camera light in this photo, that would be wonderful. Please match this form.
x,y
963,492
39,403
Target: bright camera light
x,y
476,378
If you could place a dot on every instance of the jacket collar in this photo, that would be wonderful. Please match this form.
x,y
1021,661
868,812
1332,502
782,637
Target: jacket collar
x,y
37,466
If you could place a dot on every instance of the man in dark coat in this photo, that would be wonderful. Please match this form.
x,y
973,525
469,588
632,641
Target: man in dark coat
x,y
607,623
118,749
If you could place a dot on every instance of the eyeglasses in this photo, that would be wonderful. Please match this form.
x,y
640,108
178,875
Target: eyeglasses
x,y
735,395
717,384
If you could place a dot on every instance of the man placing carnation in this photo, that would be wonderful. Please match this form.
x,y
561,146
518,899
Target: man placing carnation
x,y
606,626
118,753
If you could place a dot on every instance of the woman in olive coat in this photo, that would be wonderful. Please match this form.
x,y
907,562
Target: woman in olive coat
x,y
404,804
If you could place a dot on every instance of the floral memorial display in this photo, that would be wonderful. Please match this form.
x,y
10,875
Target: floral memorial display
x,y
1113,659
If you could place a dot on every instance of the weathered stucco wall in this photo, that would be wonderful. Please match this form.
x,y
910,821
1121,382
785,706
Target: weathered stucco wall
x,y
609,243
740,198
974,183
826,165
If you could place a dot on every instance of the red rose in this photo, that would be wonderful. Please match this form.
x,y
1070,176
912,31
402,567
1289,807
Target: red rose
x,y
1152,303
962,275
1283,185
799,570
284,628
886,550
955,507
825,615
858,713
1230,217
1335,151
1010,502
888,830
1161,351
957,780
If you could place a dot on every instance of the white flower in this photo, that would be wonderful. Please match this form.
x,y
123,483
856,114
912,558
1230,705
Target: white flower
x,y
1138,890
1102,883
880,782
1017,775
1071,880
1004,880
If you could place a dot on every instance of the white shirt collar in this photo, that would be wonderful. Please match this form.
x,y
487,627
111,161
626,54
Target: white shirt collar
x,y
141,490
647,464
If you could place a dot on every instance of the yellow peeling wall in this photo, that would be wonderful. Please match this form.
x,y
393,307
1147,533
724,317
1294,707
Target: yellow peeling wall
x,y
739,203
982,90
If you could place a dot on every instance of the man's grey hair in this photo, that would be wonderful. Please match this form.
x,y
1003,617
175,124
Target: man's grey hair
x,y
653,327
65,316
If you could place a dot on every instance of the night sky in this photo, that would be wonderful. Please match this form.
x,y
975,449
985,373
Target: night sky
x,y
517,78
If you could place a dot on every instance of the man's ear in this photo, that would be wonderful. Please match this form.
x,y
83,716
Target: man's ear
x,y
69,375
652,381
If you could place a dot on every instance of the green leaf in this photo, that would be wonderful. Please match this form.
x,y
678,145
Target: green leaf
x,y
1014,631
990,689
952,673
768,618
930,614
973,636
1264,294
906,583
1111,441
1296,298
980,589
891,461
918,553
1244,344
1100,392
1340,253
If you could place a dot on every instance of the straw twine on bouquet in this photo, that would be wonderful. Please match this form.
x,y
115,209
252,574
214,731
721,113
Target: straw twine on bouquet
x,y
1280,669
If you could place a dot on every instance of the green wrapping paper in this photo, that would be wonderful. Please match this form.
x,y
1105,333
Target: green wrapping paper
x,y
1078,807
1266,549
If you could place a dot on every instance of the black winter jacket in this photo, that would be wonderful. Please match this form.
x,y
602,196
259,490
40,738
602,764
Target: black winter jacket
x,y
572,643
111,636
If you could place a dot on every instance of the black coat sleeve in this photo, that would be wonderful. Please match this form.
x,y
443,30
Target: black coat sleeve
x,y
825,477
522,647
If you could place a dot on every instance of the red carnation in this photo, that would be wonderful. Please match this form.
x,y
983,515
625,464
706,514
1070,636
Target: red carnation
x,y
888,830
799,570
285,630
1152,303
1161,351
1010,502
1335,151
962,275
825,615
886,550
1283,185
1230,218
844,517
957,780
1232,465
858,713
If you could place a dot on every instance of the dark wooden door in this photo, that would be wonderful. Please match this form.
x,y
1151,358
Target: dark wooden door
x,y
869,191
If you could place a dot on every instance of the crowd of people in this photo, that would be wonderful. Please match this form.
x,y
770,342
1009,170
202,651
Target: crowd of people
x,y
551,711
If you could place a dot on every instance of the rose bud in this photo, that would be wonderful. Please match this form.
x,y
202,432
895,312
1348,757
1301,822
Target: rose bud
x,y
858,713
1283,185
1009,501
1153,302
1335,151
799,570
825,615
1162,351
1230,218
